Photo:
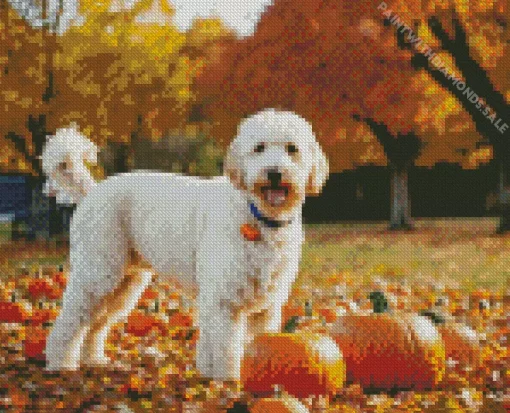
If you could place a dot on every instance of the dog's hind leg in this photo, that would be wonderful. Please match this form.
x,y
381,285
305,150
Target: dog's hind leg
x,y
97,258
64,341
114,308
81,302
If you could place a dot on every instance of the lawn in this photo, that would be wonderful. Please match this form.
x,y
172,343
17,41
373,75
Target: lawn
x,y
460,253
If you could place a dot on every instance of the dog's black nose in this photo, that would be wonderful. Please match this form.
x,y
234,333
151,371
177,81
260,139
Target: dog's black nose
x,y
274,176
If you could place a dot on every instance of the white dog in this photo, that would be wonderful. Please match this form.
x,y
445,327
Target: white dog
x,y
236,239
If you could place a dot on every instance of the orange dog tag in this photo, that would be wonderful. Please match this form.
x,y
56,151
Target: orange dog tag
x,y
250,232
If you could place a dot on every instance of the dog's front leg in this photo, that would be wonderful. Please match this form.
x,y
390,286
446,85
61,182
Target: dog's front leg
x,y
220,345
268,320
272,320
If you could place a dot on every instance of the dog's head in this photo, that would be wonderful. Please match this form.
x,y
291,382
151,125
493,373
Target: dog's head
x,y
276,158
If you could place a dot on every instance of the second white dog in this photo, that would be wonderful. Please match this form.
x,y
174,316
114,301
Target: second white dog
x,y
235,239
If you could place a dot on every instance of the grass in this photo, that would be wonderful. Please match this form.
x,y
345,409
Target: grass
x,y
461,253
5,232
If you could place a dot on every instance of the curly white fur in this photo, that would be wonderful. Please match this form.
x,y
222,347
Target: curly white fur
x,y
64,163
189,228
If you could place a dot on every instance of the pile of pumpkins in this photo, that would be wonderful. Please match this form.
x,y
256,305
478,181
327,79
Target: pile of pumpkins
x,y
32,300
313,356
37,310
378,349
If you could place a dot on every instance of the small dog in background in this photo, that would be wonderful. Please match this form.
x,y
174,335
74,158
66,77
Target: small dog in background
x,y
235,240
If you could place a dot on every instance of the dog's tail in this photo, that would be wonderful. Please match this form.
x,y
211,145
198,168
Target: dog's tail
x,y
66,158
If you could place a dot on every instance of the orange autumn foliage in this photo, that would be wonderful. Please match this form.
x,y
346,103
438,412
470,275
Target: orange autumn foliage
x,y
329,61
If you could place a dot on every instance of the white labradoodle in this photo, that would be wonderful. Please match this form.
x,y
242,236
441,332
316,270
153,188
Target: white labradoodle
x,y
194,230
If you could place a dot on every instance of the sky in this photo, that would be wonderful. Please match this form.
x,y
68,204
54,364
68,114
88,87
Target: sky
x,y
240,15
31,11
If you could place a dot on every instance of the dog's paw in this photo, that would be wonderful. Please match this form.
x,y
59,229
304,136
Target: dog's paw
x,y
60,365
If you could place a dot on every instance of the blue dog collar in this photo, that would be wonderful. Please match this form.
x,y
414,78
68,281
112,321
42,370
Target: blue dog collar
x,y
270,223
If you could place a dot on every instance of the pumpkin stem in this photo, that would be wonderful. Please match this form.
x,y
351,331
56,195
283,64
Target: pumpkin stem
x,y
434,317
291,324
277,391
379,302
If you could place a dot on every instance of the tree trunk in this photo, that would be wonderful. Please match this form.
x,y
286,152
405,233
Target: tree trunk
x,y
400,209
121,158
503,199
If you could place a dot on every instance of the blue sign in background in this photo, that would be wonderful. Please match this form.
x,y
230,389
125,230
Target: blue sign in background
x,y
15,196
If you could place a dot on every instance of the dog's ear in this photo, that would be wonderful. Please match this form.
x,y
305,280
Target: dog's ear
x,y
320,171
232,168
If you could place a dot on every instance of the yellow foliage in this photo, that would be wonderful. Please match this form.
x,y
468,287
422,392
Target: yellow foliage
x,y
127,70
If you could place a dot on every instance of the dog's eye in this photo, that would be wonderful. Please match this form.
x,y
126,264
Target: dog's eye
x,y
291,149
62,165
259,148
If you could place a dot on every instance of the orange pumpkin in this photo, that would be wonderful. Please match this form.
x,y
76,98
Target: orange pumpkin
x,y
181,325
43,315
328,314
140,324
284,404
387,351
304,363
35,343
13,312
40,288
55,293
461,343
506,404
59,278
294,314
150,294
290,311
180,320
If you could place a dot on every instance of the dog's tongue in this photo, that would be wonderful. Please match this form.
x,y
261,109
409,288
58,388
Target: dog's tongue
x,y
275,196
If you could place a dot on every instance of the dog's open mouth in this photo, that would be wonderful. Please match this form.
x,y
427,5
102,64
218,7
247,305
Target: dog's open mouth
x,y
275,195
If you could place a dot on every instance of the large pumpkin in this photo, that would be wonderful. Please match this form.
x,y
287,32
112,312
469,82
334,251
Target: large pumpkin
x,y
304,363
461,343
388,351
